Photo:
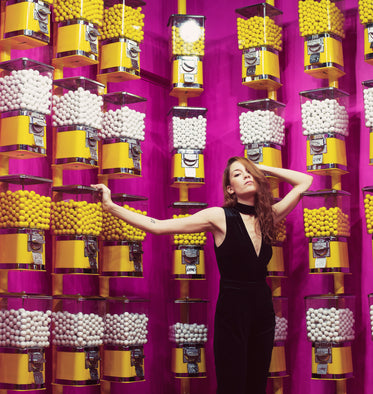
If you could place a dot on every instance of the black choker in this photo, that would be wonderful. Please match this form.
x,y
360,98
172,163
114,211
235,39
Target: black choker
x,y
245,209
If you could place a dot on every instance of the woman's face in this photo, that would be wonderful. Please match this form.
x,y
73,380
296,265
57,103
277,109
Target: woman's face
x,y
242,183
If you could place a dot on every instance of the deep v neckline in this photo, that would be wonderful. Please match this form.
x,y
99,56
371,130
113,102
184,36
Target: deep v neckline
x,y
251,241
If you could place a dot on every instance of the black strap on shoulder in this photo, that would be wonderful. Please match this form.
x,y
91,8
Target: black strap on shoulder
x,y
234,220
229,212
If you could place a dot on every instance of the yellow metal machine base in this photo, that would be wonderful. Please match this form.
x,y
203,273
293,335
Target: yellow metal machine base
x,y
22,152
185,91
192,366
334,365
76,147
276,266
187,76
123,364
188,168
72,255
185,267
77,59
73,48
260,68
326,154
278,361
16,140
121,157
75,165
329,171
119,61
371,147
27,25
328,255
262,153
15,369
323,56
22,42
368,40
191,183
19,251
72,369
119,259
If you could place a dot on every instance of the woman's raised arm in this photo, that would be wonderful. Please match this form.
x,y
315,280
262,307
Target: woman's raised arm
x,y
300,182
204,220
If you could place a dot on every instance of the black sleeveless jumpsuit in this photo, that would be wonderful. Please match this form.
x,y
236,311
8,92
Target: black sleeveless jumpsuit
x,y
244,318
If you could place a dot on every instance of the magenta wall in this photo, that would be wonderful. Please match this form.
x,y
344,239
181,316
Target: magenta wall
x,y
223,90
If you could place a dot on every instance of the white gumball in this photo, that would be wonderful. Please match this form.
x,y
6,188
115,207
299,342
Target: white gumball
x,y
330,325
324,116
261,126
78,107
188,333
188,132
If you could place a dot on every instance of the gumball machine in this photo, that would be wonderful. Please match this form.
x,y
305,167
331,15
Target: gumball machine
x,y
25,215
326,216
321,24
277,368
26,25
122,243
126,330
368,208
366,19
276,266
76,223
189,333
187,141
370,301
187,49
188,253
330,327
120,37
260,39
77,32
77,332
187,129
123,130
77,117
25,330
325,123
25,101
262,130
368,112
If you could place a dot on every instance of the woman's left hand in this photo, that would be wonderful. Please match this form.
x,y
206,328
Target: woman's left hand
x,y
105,195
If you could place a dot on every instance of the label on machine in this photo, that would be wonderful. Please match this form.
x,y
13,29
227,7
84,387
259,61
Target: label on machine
x,y
323,357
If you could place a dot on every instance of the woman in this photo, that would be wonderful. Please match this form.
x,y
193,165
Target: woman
x,y
243,231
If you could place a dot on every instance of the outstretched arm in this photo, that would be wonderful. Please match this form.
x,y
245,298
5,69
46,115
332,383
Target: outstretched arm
x,y
300,182
201,221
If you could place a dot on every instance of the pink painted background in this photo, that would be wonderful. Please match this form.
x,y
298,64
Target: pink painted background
x,y
223,90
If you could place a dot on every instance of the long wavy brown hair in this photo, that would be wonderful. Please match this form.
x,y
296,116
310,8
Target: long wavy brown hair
x,y
263,198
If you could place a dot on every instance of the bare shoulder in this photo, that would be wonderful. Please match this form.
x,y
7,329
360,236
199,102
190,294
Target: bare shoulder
x,y
217,222
211,215
216,217
214,212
